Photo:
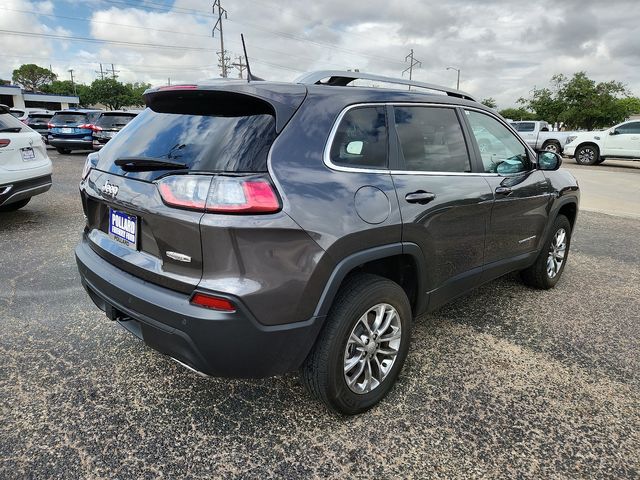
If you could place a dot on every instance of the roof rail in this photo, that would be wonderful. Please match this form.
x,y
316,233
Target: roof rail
x,y
343,78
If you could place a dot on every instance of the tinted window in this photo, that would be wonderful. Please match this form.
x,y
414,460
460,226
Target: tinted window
x,y
500,150
203,142
114,121
431,139
633,127
68,118
38,119
361,139
524,126
7,120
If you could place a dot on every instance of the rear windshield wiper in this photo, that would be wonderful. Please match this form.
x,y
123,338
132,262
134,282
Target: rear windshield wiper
x,y
10,129
140,164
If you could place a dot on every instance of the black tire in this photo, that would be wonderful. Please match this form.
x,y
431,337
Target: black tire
x,y
587,154
552,146
323,370
63,151
600,160
15,205
537,275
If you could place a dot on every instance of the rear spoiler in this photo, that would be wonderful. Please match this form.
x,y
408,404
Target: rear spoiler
x,y
4,109
229,99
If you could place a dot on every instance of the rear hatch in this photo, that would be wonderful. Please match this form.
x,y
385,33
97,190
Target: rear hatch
x,y
110,123
192,152
72,125
21,148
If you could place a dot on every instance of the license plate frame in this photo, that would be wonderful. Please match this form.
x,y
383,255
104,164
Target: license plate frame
x,y
28,155
124,228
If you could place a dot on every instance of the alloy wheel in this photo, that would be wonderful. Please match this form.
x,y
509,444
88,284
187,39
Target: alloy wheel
x,y
372,348
557,251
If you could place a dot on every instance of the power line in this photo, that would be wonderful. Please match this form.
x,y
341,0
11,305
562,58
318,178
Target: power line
x,y
240,65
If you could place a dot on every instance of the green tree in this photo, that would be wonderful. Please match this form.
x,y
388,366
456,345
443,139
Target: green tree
x,y
137,90
580,102
517,114
31,77
65,87
630,105
111,93
489,102
5,82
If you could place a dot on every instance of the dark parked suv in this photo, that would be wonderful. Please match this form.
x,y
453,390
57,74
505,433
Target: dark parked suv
x,y
72,130
252,229
108,124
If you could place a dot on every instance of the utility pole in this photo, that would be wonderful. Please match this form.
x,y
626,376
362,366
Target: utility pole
x,y
412,63
240,65
113,72
223,58
101,72
73,85
169,81
457,70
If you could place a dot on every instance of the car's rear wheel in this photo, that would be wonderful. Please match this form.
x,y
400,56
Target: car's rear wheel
x,y
63,151
549,265
15,205
362,347
587,155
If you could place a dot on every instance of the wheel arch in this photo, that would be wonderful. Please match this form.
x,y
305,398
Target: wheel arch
x,y
401,262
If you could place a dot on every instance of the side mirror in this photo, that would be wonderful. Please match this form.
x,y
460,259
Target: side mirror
x,y
614,132
549,161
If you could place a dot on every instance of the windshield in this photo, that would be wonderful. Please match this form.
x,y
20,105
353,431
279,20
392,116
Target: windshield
x,y
114,121
202,142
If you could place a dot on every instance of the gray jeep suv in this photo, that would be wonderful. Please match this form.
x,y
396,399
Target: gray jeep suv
x,y
252,229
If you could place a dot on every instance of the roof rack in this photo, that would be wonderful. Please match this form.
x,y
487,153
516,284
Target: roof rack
x,y
343,78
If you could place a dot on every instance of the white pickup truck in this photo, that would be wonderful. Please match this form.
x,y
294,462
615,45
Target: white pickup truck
x,y
621,141
539,135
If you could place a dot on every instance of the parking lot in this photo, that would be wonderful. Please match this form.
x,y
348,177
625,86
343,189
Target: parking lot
x,y
504,382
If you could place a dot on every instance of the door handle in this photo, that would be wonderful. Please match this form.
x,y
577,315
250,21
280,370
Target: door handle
x,y
503,190
420,197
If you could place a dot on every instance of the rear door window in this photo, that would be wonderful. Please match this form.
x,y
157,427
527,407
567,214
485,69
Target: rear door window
x,y
524,126
431,139
205,143
361,139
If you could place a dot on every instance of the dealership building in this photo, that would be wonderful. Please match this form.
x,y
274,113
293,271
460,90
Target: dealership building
x,y
14,97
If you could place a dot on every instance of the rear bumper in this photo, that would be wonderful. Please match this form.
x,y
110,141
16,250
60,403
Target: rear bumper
x,y
212,342
72,144
16,191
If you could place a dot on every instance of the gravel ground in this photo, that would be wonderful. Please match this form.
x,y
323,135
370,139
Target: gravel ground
x,y
505,382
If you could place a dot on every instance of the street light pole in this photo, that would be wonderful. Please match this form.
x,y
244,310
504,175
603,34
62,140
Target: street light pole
x,y
457,70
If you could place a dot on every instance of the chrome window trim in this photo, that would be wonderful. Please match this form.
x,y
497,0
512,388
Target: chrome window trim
x,y
326,156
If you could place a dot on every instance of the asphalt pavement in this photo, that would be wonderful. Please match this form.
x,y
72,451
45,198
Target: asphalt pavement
x,y
506,382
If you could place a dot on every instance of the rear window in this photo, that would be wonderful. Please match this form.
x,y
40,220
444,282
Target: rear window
x,y
68,118
38,119
524,126
206,143
8,121
114,121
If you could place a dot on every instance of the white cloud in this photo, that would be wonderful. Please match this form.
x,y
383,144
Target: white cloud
x,y
503,47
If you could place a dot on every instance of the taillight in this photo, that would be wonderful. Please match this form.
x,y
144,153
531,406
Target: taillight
x,y
87,126
213,302
91,160
4,142
220,194
96,128
50,126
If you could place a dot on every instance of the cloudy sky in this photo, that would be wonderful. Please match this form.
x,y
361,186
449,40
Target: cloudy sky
x,y
503,47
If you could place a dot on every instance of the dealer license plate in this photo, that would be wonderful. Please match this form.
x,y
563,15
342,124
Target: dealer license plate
x,y
67,130
27,154
123,228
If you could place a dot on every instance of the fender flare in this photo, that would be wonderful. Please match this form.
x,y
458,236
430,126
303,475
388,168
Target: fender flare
x,y
346,265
